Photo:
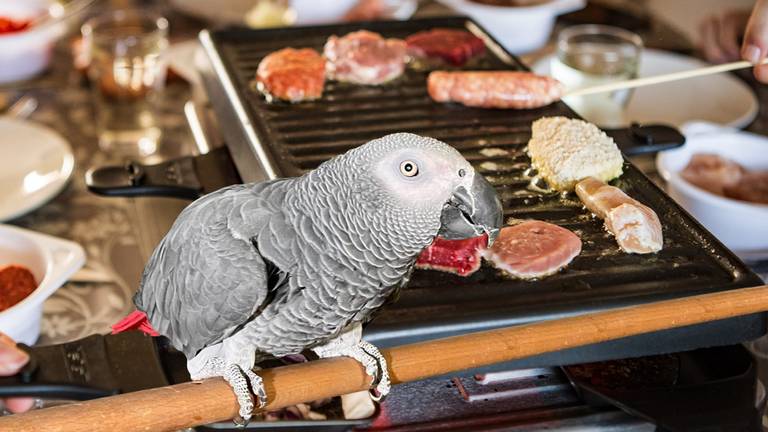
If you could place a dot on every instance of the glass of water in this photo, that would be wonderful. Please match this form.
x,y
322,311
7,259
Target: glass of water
x,y
589,55
127,73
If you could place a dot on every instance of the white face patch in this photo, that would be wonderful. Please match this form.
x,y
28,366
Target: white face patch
x,y
423,177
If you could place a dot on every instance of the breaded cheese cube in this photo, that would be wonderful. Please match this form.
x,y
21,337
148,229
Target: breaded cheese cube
x,y
565,151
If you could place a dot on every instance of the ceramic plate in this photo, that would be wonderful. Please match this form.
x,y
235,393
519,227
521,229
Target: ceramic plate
x,y
35,165
723,98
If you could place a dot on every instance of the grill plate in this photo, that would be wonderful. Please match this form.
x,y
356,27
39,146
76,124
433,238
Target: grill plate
x,y
298,137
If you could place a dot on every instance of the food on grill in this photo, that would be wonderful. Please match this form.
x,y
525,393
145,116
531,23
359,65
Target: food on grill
x,y
16,283
364,57
712,173
293,75
636,227
533,249
461,257
564,151
494,89
454,46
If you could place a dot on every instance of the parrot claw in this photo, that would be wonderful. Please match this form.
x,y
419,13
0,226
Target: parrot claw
x,y
369,356
245,384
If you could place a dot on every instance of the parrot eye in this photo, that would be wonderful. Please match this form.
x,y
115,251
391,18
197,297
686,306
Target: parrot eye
x,y
462,172
409,168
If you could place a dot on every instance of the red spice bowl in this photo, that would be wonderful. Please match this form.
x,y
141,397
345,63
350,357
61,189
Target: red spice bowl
x,y
51,261
25,50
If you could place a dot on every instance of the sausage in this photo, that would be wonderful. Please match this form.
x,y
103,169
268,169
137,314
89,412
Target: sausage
x,y
636,227
494,89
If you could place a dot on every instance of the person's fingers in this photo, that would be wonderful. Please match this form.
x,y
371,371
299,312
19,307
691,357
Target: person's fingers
x,y
756,39
709,45
730,27
18,405
11,358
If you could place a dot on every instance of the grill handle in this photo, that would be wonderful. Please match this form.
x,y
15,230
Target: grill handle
x,y
188,177
640,139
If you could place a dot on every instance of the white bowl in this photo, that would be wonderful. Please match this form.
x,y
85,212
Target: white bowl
x,y
26,53
51,260
519,29
741,226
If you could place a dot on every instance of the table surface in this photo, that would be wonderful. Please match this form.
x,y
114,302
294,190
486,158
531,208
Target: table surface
x,y
110,229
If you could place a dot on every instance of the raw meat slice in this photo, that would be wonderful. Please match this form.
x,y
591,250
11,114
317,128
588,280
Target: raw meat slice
x,y
293,75
452,45
494,89
461,257
364,57
533,249
636,227
712,173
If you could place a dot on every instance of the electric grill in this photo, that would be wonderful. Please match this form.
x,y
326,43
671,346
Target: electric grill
x,y
272,139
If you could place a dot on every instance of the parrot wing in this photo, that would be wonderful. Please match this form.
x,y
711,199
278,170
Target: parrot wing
x,y
207,278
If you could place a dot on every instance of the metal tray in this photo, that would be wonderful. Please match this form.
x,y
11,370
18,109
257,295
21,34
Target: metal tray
x,y
280,139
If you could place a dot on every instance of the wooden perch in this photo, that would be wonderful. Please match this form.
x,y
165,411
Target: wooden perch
x,y
191,404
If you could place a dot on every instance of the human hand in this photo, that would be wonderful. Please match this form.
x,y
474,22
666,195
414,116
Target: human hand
x,y
755,44
12,360
719,36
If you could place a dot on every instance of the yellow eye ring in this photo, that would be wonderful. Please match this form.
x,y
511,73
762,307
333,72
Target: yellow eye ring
x,y
409,168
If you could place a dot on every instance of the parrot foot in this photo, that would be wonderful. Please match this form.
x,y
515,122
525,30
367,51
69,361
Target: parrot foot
x,y
369,356
243,381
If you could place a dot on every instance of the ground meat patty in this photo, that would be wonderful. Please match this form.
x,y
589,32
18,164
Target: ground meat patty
x,y
16,283
452,45
494,89
533,249
364,57
292,74
461,257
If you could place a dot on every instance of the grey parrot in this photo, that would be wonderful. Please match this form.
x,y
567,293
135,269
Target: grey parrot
x,y
271,269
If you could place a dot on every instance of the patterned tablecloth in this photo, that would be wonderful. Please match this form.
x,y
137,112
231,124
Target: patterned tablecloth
x,y
107,227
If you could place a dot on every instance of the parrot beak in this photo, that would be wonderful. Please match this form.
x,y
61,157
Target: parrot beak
x,y
470,213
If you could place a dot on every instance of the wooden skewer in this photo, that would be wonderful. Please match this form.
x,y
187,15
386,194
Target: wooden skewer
x,y
190,404
658,79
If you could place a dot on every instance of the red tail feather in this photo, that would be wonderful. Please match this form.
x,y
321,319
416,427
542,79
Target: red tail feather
x,y
136,320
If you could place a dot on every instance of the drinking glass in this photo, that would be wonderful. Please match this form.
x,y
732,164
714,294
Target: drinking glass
x,y
589,55
127,73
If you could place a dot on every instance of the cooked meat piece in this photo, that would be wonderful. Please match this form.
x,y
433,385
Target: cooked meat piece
x,y
364,57
533,249
636,227
565,151
461,257
16,283
455,46
494,89
712,173
293,75
752,187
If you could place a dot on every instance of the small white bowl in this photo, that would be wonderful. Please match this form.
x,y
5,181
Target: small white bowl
x,y
740,225
26,53
51,260
520,29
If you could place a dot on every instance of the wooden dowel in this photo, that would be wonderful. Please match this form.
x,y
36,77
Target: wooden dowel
x,y
658,79
191,404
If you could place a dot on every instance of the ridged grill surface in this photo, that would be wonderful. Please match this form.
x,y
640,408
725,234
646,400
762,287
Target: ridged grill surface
x,y
301,136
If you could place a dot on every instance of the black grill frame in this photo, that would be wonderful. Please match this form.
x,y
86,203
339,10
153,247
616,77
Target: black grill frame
x,y
297,137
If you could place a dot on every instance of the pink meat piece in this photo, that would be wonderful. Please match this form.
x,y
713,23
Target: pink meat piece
x,y
364,57
461,257
455,46
494,89
533,249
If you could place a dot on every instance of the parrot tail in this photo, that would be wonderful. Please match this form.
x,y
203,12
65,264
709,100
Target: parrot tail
x,y
136,320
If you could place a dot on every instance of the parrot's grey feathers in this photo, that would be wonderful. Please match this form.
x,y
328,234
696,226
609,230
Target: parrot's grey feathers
x,y
217,280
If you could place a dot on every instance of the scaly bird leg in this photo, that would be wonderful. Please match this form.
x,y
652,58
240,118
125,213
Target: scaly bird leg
x,y
350,344
244,381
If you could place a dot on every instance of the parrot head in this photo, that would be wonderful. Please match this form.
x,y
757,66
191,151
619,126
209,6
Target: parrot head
x,y
429,181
